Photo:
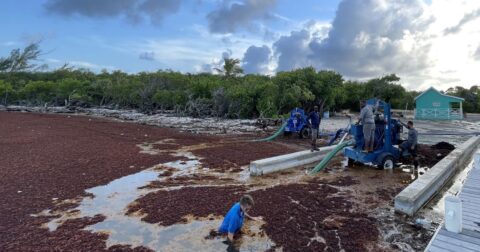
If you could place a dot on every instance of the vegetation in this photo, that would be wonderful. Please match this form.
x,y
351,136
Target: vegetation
x,y
228,94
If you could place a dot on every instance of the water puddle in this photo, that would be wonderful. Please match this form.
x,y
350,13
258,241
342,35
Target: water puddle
x,y
112,201
179,237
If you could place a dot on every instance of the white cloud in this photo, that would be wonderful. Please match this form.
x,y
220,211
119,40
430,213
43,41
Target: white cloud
x,y
452,54
378,37
89,65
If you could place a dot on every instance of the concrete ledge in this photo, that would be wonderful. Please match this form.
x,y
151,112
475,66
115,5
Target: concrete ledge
x,y
414,196
296,159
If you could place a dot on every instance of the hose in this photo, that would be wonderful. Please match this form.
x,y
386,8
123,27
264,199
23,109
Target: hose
x,y
276,134
449,134
330,155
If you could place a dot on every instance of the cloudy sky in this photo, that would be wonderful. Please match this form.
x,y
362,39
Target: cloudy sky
x,y
425,42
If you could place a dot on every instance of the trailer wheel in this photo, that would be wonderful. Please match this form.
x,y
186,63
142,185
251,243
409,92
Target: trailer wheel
x,y
387,163
351,162
304,133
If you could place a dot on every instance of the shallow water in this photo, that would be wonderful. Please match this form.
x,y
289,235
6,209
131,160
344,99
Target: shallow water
x,y
112,201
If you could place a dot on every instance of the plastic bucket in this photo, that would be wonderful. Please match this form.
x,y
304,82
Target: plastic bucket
x,y
453,214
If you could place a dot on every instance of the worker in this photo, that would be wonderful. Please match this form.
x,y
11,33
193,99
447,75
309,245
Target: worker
x,y
233,221
314,122
410,145
368,122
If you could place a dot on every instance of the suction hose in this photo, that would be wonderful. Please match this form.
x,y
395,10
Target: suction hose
x,y
330,155
276,134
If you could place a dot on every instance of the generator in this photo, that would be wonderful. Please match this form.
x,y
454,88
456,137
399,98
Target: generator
x,y
297,123
386,139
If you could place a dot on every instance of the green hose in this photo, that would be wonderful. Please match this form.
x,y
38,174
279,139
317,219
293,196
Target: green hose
x,y
330,155
276,134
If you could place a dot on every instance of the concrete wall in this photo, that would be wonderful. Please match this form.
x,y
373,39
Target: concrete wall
x,y
283,162
414,196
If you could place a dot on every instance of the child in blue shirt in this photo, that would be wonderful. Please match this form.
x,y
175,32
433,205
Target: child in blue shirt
x,y
233,221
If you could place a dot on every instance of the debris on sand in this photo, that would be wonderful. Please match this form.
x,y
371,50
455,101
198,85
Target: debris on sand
x,y
170,207
430,155
443,146
295,223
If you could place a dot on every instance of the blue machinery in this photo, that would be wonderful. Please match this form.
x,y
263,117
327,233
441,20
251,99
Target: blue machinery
x,y
297,123
387,134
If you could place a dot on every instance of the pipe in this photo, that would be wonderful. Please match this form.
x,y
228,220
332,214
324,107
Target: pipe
x,y
276,134
343,138
329,156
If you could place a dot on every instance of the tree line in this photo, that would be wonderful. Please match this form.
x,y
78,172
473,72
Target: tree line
x,y
228,94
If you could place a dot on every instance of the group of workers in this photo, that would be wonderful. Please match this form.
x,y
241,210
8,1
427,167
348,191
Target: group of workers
x,y
233,221
367,120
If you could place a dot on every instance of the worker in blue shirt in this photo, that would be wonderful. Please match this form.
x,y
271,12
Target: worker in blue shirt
x,y
233,221
314,121
410,145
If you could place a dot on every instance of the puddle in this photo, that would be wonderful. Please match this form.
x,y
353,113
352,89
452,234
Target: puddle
x,y
112,201
183,165
179,237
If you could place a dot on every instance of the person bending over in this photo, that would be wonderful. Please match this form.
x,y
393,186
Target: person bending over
x,y
233,221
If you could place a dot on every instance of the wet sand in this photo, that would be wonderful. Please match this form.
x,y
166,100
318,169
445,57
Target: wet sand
x,y
87,184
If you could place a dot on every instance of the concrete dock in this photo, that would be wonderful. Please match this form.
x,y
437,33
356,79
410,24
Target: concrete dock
x,y
469,238
418,193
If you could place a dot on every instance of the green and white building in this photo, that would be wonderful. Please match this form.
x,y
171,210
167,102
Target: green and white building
x,y
433,105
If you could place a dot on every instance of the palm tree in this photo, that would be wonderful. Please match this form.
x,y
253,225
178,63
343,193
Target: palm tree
x,y
231,68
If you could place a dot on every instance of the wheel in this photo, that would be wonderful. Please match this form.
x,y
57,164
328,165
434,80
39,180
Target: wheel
x,y
304,133
287,133
387,163
351,162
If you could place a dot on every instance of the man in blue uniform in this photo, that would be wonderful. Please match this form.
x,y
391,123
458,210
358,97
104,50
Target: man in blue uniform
x,y
233,221
314,120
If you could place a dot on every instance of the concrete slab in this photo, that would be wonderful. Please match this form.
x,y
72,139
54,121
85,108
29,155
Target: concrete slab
x,y
414,196
292,160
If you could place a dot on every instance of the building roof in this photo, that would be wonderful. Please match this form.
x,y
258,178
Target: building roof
x,y
448,96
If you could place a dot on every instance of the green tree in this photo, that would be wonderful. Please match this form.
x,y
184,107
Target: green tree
x,y
39,92
231,68
5,90
19,61
324,86
67,88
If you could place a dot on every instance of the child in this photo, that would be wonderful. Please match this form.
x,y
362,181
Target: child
x,y
233,221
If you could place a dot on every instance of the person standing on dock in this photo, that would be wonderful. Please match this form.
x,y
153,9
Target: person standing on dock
x,y
314,121
233,221
368,122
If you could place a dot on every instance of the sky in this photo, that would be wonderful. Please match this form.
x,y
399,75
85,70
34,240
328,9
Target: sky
x,y
425,42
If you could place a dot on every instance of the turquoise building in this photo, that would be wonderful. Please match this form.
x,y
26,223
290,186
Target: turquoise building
x,y
433,105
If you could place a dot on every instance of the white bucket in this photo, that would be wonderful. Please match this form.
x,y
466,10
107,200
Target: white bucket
x,y
476,160
453,214
326,114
